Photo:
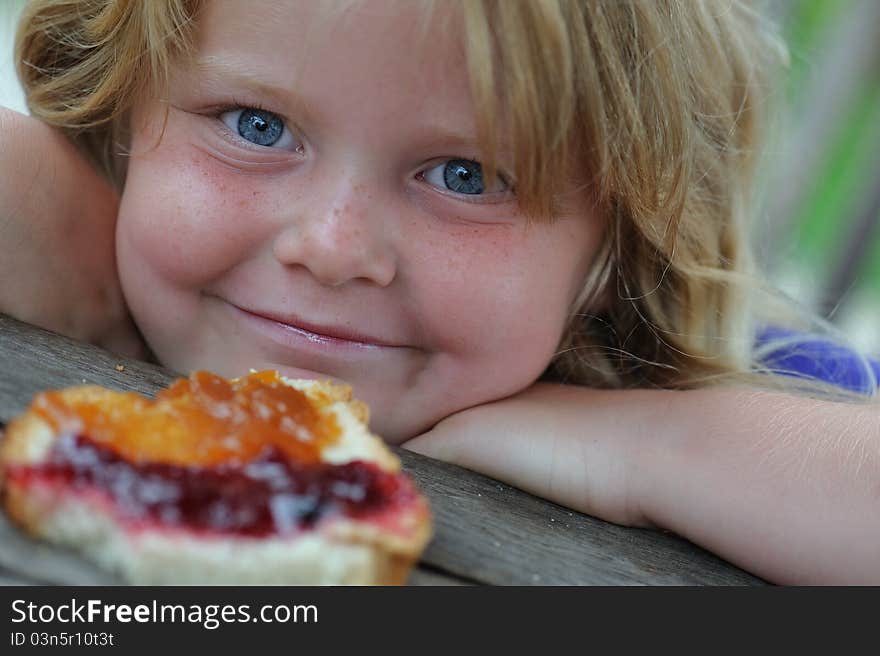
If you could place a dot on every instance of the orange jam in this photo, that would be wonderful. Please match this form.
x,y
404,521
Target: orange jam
x,y
202,420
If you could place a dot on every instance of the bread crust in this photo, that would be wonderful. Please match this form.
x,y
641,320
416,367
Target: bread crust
x,y
338,551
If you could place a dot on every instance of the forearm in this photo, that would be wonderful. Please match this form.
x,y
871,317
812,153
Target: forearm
x,y
789,488
785,487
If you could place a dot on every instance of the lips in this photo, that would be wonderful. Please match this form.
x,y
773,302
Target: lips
x,y
321,334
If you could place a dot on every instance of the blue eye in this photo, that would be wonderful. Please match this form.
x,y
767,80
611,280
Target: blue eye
x,y
260,127
462,176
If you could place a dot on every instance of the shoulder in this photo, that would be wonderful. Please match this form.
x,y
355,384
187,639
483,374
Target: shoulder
x,y
45,179
20,135
20,131
816,357
41,171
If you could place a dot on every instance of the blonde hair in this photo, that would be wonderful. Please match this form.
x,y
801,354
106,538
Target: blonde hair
x,y
83,62
653,107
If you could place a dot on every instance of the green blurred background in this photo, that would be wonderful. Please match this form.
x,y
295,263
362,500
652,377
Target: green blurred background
x,y
818,232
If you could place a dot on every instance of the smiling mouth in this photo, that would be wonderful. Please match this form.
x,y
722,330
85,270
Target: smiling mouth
x,y
317,334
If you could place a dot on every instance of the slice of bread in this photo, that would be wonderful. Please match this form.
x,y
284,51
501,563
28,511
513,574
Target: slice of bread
x,y
87,467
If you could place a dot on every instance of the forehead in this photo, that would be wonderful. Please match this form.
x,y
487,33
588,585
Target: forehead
x,y
369,48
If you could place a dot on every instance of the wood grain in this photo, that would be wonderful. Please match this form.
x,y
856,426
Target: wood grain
x,y
485,531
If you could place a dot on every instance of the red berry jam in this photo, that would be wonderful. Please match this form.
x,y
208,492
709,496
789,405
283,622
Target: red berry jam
x,y
267,495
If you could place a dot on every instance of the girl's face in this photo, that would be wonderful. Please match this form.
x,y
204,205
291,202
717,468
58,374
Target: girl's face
x,y
312,205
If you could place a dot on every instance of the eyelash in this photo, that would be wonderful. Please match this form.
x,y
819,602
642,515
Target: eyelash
x,y
234,104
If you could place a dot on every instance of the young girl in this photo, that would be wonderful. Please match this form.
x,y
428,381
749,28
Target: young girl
x,y
517,229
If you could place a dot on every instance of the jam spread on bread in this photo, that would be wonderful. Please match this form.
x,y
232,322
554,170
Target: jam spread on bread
x,y
268,495
200,420
230,456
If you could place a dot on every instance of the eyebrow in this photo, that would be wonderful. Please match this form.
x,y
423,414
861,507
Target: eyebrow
x,y
217,69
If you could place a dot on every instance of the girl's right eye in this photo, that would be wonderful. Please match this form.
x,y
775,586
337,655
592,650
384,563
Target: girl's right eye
x,y
260,127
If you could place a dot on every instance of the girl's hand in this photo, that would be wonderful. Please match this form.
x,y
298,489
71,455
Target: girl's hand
x,y
57,253
573,445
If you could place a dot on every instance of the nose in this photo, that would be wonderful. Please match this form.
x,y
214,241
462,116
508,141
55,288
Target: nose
x,y
339,236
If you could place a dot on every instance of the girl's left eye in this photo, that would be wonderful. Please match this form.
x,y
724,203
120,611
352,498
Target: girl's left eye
x,y
462,176
260,127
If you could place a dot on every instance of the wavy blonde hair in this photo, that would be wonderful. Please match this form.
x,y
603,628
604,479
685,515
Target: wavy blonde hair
x,y
654,108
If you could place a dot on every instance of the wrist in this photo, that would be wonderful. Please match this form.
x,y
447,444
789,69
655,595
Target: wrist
x,y
667,469
649,446
613,448
699,461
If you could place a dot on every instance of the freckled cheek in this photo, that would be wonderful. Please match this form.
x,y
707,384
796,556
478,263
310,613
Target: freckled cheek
x,y
486,290
190,218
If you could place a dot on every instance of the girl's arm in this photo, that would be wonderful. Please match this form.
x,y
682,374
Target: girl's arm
x,y
57,253
786,487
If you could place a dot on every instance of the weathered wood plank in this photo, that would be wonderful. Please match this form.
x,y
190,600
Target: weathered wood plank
x,y
485,531
432,577
32,359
